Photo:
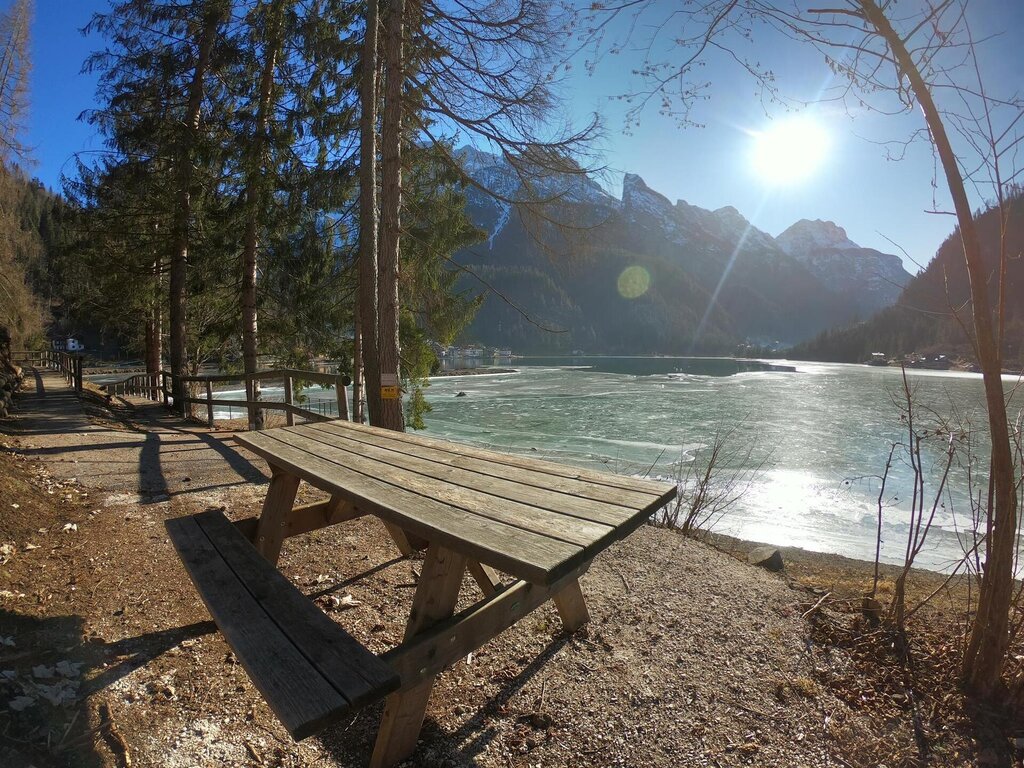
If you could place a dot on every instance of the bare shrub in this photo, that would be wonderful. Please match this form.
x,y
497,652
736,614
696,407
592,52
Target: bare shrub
x,y
721,472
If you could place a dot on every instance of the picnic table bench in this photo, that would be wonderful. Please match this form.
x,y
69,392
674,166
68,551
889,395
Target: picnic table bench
x,y
471,509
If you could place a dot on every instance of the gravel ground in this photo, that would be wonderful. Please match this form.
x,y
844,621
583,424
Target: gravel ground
x,y
692,658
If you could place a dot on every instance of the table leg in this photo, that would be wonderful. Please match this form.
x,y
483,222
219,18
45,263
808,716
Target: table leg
x,y
270,529
434,601
572,606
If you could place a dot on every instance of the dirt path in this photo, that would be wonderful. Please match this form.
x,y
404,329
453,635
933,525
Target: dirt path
x,y
691,658
151,457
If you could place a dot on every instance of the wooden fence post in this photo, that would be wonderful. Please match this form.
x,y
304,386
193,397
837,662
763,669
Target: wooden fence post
x,y
289,416
209,404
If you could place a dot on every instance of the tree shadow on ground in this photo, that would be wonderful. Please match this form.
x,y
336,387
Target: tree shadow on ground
x,y
51,678
990,727
40,387
170,447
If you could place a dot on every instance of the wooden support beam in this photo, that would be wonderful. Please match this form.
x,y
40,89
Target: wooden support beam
x,y
486,577
448,641
434,601
406,542
274,519
306,517
572,606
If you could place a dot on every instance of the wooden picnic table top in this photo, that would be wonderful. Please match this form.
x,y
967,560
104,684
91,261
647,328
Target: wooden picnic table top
x,y
534,519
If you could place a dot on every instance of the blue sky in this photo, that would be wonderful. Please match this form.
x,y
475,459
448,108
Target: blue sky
x,y
855,186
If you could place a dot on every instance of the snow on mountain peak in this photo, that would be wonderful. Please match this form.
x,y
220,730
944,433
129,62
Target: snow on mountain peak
x,y
637,195
806,236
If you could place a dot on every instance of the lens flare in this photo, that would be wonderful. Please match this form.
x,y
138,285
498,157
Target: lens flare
x,y
634,282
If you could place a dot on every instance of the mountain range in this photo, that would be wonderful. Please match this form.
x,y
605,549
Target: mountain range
x,y
572,267
922,321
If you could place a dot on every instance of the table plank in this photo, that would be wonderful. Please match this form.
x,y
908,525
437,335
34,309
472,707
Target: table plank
x,y
491,491
484,463
524,554
542,466
375,462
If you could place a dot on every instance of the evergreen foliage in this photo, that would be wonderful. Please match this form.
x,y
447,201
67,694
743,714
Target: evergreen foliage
x,y
273,178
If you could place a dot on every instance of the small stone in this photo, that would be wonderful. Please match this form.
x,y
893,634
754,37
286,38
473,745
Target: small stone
x,y
42,672
540,720
67,668
766,557
19,703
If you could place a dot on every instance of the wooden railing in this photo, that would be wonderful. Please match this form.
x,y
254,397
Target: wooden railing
x,y
201,393
138,385
65,362
160,386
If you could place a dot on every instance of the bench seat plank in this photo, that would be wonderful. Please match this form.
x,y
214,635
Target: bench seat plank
x,y
310,671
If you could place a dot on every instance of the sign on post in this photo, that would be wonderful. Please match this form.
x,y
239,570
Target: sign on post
x,y
389,386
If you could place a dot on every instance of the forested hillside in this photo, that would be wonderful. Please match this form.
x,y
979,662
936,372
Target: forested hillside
x,y
32,224
924,319
643,275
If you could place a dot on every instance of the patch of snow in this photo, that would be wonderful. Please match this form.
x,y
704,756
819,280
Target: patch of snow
x,y
505,213
639,200
807,236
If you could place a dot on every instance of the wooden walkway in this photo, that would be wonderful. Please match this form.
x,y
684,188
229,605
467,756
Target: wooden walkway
x,y
47,406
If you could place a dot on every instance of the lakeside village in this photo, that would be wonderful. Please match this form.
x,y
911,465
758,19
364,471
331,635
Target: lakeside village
x,y
471,352
933,362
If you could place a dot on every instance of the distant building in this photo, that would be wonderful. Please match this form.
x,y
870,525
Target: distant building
x,y
67,344
934,362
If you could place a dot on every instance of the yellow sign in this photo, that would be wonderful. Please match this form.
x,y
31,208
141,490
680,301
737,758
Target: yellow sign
x,y
389,393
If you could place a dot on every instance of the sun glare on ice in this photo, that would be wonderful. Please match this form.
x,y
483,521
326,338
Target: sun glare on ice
x,y
789,151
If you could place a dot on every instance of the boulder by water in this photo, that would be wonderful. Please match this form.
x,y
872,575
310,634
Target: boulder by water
x,y
766,557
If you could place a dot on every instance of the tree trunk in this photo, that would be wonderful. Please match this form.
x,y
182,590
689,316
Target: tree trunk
x,y
255,201
391,416
367,298
177,352
986,650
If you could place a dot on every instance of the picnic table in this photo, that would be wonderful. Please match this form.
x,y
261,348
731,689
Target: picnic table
x,y
474,510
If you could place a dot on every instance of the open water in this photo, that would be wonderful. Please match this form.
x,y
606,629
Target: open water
x,y
826,430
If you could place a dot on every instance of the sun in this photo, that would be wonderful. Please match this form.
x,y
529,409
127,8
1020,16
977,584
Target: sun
x,y
789,151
